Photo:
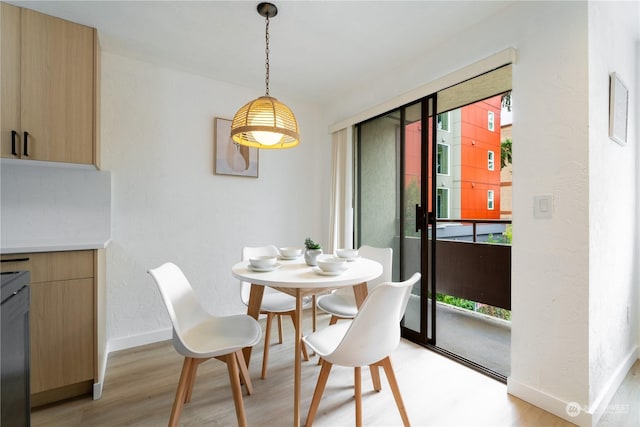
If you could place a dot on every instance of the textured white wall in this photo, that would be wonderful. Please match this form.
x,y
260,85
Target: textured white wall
x,y
167,204
614,33
550,269
561,266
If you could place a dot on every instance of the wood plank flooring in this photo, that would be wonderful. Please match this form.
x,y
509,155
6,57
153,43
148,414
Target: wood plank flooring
x,y
141,382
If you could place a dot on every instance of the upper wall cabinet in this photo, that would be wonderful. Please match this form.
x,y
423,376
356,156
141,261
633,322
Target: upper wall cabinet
x,y
49,83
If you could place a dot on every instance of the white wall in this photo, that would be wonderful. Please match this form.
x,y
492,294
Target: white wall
x,y
167,204
561,266
614,33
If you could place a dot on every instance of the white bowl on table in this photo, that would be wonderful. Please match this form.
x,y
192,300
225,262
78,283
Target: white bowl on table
x,y
332,265
347,253
290,252
262,262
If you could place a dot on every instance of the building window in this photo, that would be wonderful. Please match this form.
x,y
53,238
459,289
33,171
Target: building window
x,y
442,159
443,121
490,160
442,203
490,121
490,200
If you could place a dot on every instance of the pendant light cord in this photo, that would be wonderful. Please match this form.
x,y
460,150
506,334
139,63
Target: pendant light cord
x,y
266,51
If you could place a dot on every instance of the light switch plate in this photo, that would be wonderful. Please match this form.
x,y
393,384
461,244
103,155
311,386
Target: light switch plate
x,y
543,206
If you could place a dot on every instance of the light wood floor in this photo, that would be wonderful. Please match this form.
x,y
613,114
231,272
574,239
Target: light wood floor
x,y
141,382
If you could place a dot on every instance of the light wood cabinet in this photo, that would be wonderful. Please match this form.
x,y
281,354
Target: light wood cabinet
x,y
49,81
62,322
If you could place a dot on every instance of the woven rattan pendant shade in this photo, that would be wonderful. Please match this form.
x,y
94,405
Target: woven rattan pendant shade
x,y
265,115
265,122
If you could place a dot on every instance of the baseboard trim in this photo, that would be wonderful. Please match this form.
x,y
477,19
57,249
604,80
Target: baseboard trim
x,y
123,344
549,403
138,340
601,403
585,416
102,372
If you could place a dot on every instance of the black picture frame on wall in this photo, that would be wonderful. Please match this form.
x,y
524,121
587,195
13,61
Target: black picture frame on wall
x,y
618,109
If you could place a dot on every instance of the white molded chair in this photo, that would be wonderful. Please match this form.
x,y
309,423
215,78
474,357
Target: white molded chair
x,y
200,336
341,304
274,303
367,340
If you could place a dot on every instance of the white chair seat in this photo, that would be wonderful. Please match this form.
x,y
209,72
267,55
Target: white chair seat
x,y
341,304
325,341
279,302
338,304
217,336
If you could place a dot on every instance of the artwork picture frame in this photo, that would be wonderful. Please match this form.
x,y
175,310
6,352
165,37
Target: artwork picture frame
x,y
618,109
231,158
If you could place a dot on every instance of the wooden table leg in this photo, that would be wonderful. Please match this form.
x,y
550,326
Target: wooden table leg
x,y
253,310
360,292
298,361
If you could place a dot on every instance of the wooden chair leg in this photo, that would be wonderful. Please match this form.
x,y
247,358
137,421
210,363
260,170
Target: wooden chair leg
x,y
375,377
267,343
333,320
178,402
192,378
357,383
279,328
317,394
391,378
244,372
236,389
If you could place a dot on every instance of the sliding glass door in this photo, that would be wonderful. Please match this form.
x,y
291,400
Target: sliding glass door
x,y
429,185
393,170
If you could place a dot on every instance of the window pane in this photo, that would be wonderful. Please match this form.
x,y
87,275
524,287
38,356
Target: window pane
x,y
442,203
490,162
443,122
442,160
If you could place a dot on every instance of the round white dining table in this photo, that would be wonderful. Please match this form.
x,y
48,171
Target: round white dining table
x,y
297,279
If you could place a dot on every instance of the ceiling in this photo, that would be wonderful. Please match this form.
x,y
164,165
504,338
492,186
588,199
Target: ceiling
x,y
319,50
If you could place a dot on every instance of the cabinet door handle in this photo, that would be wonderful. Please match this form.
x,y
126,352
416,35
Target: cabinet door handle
x,y
25,150
15,260
14,135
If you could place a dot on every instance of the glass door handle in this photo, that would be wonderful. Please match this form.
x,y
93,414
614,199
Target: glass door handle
x,y
420,218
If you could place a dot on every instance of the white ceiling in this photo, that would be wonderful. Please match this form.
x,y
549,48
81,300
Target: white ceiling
x,y
318,49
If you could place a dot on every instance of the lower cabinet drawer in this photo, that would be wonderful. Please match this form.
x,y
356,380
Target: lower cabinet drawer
x,y
49,266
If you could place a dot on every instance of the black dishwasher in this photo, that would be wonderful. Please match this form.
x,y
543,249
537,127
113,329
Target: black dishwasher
x,y
14,364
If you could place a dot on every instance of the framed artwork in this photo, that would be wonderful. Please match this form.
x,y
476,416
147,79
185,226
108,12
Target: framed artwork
x,y
232,158
618,109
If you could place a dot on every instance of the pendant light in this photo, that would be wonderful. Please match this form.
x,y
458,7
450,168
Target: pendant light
x,y
265,122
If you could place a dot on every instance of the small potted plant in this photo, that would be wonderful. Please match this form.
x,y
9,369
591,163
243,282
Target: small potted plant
x,y
312,251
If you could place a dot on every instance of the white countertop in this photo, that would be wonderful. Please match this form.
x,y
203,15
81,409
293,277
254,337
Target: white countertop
x,y
21,247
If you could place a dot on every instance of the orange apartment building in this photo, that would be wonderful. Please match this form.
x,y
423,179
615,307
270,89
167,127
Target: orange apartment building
x,y
468,183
